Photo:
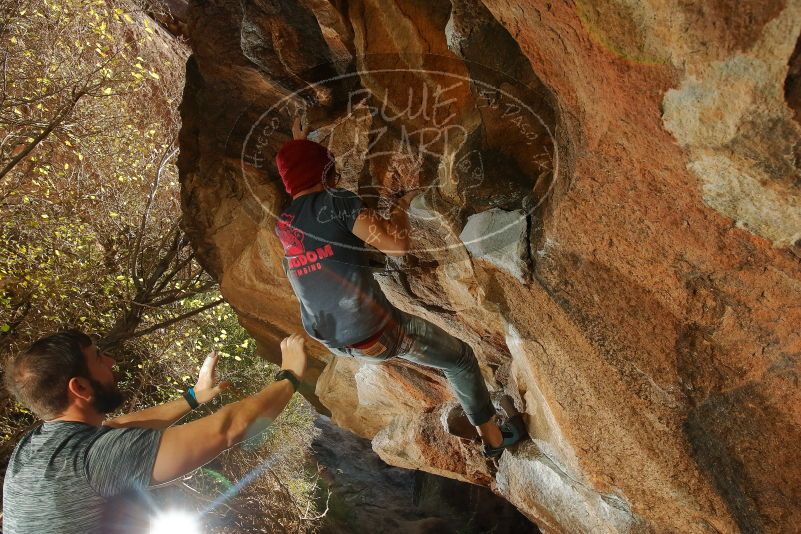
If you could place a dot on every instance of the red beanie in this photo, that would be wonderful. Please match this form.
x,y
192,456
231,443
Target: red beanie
x,y
303,164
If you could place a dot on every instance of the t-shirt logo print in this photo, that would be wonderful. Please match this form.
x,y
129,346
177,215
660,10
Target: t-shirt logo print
x,y
300,260
291,238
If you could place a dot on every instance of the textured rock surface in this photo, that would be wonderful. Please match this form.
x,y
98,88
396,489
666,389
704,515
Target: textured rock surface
x,y
363,493
654,346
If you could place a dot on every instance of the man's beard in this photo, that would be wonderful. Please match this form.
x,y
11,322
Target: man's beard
x,y
107,398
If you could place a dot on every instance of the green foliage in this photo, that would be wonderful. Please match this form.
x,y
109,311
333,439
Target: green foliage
x,y
72,209
89,233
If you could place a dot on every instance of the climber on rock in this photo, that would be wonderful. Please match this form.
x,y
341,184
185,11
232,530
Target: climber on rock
x,y
323,231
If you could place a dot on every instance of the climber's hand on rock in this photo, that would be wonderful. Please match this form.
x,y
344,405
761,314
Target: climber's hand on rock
x,y
298,131
406,199
293,354
403,203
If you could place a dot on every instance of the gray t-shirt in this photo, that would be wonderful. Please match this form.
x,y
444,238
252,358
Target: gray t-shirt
x,y
340,301
62,475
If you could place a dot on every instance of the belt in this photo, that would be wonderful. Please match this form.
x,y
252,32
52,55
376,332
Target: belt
x,y
369,341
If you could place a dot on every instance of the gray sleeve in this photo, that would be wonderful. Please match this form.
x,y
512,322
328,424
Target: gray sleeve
x,y
347,205
121,459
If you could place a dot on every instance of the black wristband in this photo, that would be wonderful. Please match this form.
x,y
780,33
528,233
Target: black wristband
x,y
286,374
190,398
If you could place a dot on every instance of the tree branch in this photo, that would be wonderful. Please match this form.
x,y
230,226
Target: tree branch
x,y
170,297
177,269
166,156
172,251
58,119
172,321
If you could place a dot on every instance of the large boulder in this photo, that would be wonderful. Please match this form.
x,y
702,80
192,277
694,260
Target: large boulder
x,y
634,171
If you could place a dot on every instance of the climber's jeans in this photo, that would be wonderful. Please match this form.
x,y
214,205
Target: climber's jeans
x,y
416,340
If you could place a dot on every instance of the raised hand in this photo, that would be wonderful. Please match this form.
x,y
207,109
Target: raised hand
x,y
405,201
293,354
206,387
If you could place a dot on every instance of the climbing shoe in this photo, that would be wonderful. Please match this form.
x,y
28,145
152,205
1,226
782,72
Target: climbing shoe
x,y
512,430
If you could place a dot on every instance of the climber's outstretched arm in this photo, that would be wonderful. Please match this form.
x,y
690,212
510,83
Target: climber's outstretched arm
x,y
390,236
384,234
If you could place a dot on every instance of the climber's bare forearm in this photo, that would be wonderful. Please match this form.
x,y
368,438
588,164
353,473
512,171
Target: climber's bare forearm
x,y
400,218
384,234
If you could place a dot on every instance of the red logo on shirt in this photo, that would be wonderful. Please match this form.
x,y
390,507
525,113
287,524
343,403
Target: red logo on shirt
x,y
291,238
299,260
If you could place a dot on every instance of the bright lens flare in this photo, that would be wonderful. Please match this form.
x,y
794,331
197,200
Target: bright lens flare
x,y
175,523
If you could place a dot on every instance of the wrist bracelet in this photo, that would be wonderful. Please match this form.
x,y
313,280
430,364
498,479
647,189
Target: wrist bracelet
x,y
286,374
190,397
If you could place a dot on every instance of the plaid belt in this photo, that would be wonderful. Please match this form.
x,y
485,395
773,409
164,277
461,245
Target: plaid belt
x,y
370,340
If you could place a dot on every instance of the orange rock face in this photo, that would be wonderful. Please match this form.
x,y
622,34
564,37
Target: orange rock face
x,y
644,313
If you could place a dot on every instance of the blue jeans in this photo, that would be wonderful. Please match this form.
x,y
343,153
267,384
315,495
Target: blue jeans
x,y
416,340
